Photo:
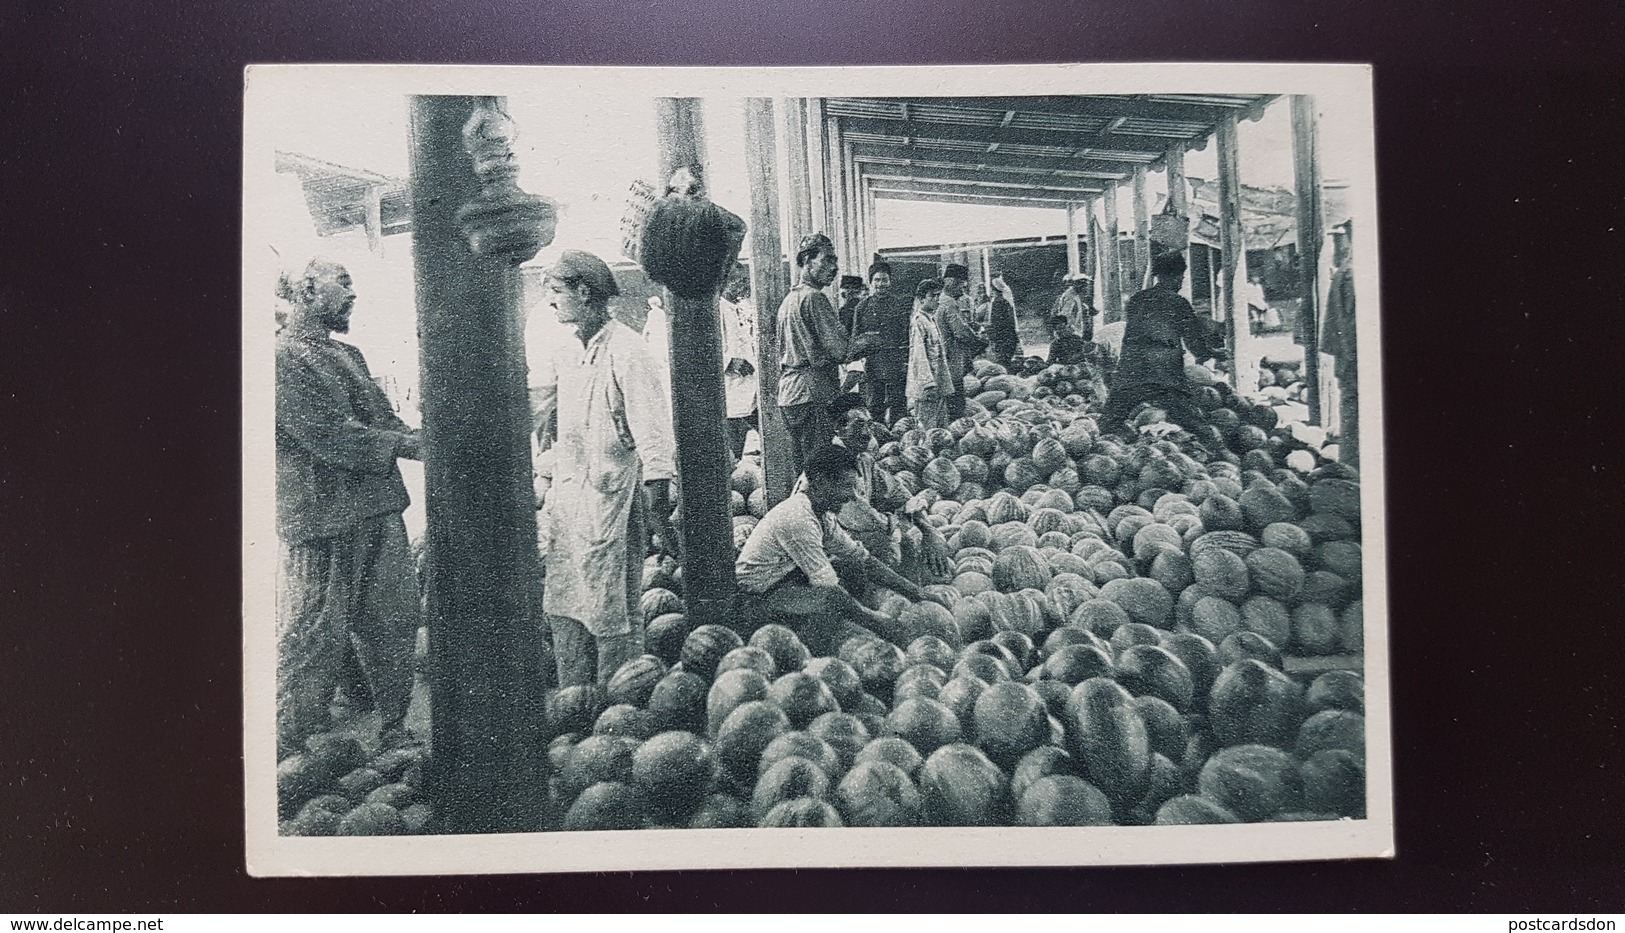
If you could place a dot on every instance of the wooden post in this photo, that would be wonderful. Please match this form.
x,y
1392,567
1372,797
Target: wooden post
x,y
1311,227
817,169
854,205
1090,254
485,643
1142,231
1231,247
839,219
1112,257
1179,195
987,267
1073,262
699,407
799,214
768,287
870,227
375,218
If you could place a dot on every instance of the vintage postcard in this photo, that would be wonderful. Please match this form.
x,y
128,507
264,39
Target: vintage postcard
x,y
724,468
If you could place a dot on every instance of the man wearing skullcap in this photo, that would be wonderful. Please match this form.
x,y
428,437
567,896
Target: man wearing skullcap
x,y
886,369
346,577
812,347
1159,326
1074,306
953,319
614,446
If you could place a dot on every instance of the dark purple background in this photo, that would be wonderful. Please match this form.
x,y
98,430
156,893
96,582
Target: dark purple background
x,y
1499,160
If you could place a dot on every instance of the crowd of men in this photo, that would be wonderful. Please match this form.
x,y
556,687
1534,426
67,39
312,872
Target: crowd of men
x,y
823,561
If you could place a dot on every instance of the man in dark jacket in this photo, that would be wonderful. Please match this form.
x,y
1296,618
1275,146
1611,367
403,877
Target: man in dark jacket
x,y
1159,326
886,369
346,581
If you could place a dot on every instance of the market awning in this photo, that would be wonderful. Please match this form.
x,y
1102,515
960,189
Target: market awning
x,y
341,198
1021,151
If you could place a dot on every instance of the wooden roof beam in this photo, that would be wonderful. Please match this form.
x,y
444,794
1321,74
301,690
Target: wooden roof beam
x,y
1040,166
1136,106
890,194
981,177
1146,148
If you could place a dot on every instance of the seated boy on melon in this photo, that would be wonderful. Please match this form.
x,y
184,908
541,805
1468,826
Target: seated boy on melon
x,y
801,569
882,516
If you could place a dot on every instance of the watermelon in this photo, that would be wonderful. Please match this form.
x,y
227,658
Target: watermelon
x,y
574,709
1332,729
1193,810
926,724
1253,781
942,475
783,645
959,786
679,701
844,733
929,649
1063,800
878,793
666,635
1165,726
749,658
790,778
1344,690
1220,513
1352,623
1149,670
1008,721
1101,617
610,805
658,602
1109,740
721,811
596,759
1221,573
971,582
1334,782
371,819
1267,617
1342,558
1322,528
1336,497
960,693
1132,634
1249,645
1074,663
1013,534
1252,702
842,680
705,647
929,618
1156,539
1316,629
1215,619
625,721
635,680
803,698
1239,543
876,662
801,745
803,812
893,751
1173,570
1144,600
1200,657
1020,648
1287,537
1324,588
742,738
673,770
732,690
1069,634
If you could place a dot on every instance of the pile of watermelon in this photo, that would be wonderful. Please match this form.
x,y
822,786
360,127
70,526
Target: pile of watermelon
x,y
1124,613
334,788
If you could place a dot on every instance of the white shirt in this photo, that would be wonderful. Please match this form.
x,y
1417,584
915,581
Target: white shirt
x,y
792,536
739,343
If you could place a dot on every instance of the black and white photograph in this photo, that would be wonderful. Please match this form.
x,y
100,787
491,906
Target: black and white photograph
x,y
720,468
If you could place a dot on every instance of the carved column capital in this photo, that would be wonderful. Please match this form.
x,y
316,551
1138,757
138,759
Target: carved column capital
x,y
501,221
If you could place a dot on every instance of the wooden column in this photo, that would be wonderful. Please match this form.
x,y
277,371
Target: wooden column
x,y
375,218
1111,256
1179,194
798,190
769,284
1073,262
839,218
485,643
699,407
817,169
854,205
870,227
1142,231
1311,231
1090,253
1231,248
987,267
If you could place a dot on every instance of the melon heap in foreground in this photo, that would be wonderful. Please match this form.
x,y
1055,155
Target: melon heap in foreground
x,y
1114,654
